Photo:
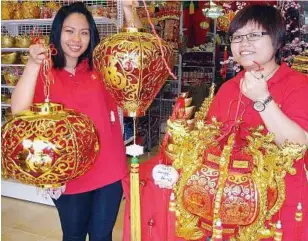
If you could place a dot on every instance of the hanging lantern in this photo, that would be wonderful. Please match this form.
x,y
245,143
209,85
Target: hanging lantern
x,y
47,146
133,69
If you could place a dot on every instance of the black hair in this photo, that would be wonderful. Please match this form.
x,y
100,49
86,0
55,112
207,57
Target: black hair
x,y
267,17
56,29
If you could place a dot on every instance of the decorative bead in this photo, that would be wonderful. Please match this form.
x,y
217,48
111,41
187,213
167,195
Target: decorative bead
x,y
151,222
172,202
217,231
278,231
299,213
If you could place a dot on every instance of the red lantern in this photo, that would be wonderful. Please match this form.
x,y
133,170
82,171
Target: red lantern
x,y
48,146
133,68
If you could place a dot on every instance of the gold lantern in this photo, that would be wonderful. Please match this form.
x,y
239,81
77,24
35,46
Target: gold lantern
x,y
133,68
47,146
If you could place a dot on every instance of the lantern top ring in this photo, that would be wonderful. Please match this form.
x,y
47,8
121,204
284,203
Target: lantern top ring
x,y
132,30
46,108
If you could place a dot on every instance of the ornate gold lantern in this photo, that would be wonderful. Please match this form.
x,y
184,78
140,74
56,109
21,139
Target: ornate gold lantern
x,y
47,146
133,68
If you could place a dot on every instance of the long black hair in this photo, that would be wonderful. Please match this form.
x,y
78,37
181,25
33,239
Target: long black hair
x,y
56,29
267,17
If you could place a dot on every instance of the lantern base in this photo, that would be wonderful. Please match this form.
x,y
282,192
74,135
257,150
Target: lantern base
x,y
134,150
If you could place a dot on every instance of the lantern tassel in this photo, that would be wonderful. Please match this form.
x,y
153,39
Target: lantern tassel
x,y
191,8
135,201
135,223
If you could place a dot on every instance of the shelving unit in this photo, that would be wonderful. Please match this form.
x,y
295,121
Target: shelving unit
x,y
105,26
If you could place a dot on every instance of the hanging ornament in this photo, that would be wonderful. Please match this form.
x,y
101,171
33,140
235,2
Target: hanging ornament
x,y
217,231
278,231
48,145
213,12
299,213
134,66
133,69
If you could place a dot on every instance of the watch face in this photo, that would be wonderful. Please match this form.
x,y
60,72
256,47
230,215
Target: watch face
x,y
259,106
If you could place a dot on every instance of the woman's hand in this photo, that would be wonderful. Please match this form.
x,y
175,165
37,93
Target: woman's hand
x,y
37,53
254,86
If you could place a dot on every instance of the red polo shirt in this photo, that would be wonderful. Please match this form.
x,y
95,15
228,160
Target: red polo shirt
x,y
289,89
86,93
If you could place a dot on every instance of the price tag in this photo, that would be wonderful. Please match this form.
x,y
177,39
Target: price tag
x,y
164,176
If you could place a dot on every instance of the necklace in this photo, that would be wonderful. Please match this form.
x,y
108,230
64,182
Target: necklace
x,y
270,74
70,69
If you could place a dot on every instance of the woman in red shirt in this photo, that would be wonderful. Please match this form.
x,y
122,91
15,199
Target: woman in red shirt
x,y
90,203
265,93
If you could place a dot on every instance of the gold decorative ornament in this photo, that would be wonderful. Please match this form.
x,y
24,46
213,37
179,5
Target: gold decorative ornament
x,y
22,41
133,69
24,57
227,184
30,9
47,146
11,76
6,10
8,58
7,41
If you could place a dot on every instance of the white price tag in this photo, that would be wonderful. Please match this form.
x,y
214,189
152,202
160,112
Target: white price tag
x,y
164,176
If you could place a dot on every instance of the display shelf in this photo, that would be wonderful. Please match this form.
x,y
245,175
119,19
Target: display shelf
x,y
48,21
14,189
8,86
12,65
14,49
5,105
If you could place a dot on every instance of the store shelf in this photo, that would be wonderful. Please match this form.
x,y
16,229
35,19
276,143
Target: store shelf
x,y
15,189
12,65
14,49
98,20
5,105
8,86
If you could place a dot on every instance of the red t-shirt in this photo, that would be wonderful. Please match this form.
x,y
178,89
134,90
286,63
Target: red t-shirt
x,y
85,92
289,90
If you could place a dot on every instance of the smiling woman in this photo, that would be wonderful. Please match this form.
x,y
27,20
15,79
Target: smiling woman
x,y
91,202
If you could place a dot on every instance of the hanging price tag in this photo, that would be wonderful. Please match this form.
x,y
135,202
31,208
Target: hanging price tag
x,y
164,176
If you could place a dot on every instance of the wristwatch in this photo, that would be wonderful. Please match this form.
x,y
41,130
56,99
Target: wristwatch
x,y
260,105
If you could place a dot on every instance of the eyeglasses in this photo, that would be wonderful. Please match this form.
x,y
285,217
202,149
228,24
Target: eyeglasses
x,y
250,37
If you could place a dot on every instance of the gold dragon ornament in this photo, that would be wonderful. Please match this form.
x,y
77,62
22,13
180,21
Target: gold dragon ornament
x,y
240,191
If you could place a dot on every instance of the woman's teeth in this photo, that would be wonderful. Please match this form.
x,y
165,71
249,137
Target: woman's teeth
x,y
246,52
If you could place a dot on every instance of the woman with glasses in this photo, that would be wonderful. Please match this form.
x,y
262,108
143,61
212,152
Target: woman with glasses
x,y
270,94
267,92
